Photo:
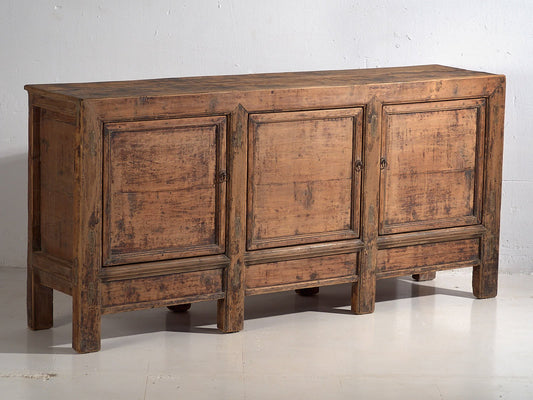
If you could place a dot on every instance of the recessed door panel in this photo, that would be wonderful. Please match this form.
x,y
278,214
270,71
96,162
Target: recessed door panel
x,y
432,175
303,177
164,197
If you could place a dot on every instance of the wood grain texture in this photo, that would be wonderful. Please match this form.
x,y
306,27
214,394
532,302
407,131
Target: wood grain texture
x,y
402,259
147,89
434,173
141,292
57,184
485,276
161,268
302,184
287,287
86,304
303,251
303,270
230,310
160,213
39,299
363,297
164,198
431,236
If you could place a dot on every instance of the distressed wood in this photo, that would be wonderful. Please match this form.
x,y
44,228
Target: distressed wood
x,y
162,303
86,296
53,265
39,300
57,184
158,268
295,271
163,194
427,269
302,184
144,291
286,287
148,89
230,310
51,281
431,254
434,165
167,192
364,290
431,236
303,251
485,276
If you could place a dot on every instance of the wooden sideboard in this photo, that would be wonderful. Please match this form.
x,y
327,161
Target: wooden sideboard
x,y
168,192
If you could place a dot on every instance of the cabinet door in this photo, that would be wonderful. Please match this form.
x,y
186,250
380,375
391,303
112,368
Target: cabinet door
x,y
432,165
303,177
164,189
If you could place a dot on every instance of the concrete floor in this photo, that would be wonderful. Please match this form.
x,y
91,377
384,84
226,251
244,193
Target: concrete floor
x,y
429,340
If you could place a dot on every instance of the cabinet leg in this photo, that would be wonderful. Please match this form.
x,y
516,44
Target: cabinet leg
x,y
364,295
230,317
485,280
86,318
39,303
85,329
308,291
180,308
426,276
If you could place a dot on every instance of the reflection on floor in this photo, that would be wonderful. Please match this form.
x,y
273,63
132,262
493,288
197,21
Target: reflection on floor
x,y
426,340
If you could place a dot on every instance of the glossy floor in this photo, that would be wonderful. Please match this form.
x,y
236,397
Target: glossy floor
x,y
429,340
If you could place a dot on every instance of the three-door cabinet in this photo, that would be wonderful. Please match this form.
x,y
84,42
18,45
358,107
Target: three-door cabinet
x,y
168,192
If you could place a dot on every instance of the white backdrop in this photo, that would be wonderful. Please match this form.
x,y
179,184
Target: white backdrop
x,y
44,41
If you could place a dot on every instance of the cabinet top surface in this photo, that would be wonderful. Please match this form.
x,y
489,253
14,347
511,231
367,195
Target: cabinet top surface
x,y
230,83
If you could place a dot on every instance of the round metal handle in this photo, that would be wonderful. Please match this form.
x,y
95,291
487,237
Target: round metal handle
x,y
383,163
358,165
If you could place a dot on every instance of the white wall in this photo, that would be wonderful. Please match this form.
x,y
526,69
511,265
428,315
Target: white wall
x,y
45,41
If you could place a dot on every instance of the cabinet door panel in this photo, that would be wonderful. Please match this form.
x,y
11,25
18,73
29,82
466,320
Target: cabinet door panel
x,y
302,183
433,172
162,195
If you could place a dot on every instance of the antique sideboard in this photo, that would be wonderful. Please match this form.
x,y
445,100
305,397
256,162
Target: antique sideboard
x,y
167,192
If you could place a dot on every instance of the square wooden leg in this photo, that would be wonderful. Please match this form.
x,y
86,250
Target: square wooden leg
x,y
85,327
39,303
485,280
364,295
230,318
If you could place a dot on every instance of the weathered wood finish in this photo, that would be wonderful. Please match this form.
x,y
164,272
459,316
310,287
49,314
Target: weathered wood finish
x,y
172,191
277,274
56,143
303,185
364,290
86,296
400,260
167,289
485,276
230,314
164,189
433,174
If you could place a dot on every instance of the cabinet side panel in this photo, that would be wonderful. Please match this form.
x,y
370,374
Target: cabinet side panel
x,y
56,147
